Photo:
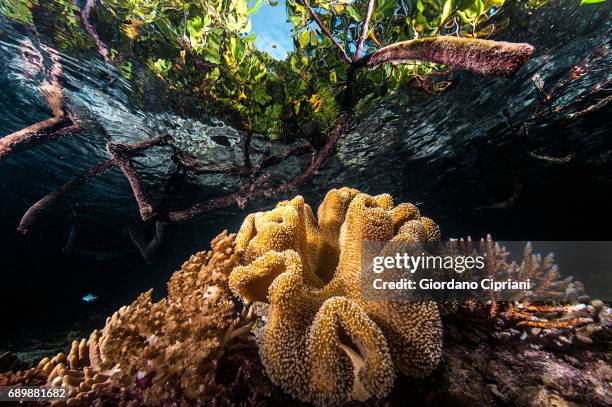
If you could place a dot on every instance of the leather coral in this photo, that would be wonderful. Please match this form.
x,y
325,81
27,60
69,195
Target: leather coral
x,y
322,342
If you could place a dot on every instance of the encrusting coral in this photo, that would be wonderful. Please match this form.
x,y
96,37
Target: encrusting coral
x,y
322,342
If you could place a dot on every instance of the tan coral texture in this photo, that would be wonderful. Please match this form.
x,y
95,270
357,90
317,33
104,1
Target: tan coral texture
x,y
321,341
170,349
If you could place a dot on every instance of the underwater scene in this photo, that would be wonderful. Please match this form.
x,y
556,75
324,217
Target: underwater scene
x,y
305,202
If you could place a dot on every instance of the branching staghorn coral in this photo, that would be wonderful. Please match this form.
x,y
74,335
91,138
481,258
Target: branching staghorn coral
x,y
556,312
322,342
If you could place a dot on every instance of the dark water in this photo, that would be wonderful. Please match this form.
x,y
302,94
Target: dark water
x,y
463,157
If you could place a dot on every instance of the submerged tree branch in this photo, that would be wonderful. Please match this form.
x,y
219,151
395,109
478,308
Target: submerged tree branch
x,y
498,58
556,160
140,194
52,87
148,249
592,108
35,210
271,160
35,134
60,124
85,14
334,137
122,152
326,31
247,149
192,164
142,145
258,189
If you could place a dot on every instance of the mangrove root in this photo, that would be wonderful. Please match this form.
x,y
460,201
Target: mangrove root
x,y
31,214
485,57
38,133
148,249
258,188
102,48
120,154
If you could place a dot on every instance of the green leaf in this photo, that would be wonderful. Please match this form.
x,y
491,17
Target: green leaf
x,y
240,6
260,95
591,1
303,38
250,38
295,20
255,7
333,77
446,10
195,25
314,39
126,70
293,62
353,13
17,10
464,16
212,58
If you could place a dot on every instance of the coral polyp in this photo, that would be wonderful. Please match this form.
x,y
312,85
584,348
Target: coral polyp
x,y
322,341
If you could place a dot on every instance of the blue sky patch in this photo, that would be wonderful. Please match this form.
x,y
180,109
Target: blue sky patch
x,y
272,29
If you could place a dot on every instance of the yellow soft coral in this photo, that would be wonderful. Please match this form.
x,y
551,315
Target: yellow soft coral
x,y
322,342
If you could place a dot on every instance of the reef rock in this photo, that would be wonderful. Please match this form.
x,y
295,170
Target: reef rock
x,y
513,373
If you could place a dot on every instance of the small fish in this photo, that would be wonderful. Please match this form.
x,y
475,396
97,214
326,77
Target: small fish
x,y
89,298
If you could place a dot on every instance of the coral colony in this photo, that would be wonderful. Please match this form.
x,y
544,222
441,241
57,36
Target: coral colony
x,y
287,284
278,313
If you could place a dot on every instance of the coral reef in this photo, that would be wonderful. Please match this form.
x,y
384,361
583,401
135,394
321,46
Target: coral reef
x,y
169,350
322,342
555,313
319,341
478,370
